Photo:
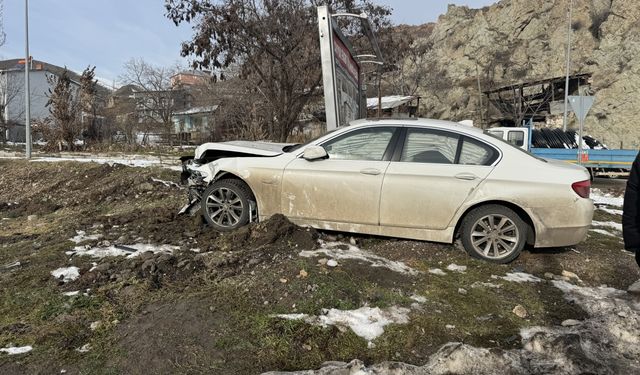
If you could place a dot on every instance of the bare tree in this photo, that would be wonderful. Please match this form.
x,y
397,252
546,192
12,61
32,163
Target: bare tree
x,y
156,100
275,42
63,126
10,91
89,105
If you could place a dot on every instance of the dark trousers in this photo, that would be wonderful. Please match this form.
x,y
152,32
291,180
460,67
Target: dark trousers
x,y
638,257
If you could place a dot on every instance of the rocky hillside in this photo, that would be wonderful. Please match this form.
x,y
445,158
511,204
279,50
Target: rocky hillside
x,y
516,41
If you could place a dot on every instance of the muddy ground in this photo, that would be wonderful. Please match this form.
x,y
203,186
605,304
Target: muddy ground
x,y
209,303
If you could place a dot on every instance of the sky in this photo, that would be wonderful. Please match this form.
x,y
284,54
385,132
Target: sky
x,y
108,33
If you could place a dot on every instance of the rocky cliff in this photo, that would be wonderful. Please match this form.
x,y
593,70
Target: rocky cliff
x,y
517,41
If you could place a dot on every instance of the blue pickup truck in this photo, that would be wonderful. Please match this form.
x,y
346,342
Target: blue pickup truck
x,y
599,160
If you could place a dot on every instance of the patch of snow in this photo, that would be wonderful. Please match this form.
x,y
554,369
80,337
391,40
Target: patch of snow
x,y
599,197
606,342
479,284
608,224
84,348
366,322
418,298
602,231
450,326
13,350
67,273
611,211
71,294
166,183
11,265
134,161
521,277
130,251
456,268
81,236
332,263
335,250
437,271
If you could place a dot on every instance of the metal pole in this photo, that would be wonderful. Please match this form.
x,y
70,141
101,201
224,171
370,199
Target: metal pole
x,y
580,149
27,95
379,93
566,83
480,97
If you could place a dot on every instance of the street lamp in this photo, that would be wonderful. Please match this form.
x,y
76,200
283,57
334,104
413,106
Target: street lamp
x,y
27,96
566,83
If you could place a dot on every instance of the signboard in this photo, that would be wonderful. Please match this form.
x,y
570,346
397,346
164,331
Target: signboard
x,y
581,106
348,88
344,95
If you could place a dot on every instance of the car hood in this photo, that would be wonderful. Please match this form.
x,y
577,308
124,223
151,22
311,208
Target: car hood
x,y
242,147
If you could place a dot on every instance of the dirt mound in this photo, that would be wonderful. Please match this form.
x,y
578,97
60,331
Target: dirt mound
x,y
158,268
277,230
230,254
271,241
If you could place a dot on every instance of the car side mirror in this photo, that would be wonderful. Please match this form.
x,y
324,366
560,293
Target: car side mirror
x,y
312,153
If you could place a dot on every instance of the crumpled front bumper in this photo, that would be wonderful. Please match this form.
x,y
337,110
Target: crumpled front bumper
x,y
196,184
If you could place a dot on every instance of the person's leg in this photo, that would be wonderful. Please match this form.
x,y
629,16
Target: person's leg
x,y
638,257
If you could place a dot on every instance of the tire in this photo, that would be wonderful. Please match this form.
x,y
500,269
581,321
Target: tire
x,y
225,204
500,242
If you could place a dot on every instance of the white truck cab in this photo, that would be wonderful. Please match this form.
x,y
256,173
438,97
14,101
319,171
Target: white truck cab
x,y
518,137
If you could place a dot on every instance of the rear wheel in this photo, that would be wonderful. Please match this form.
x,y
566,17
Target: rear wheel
x,y
494,233
226,204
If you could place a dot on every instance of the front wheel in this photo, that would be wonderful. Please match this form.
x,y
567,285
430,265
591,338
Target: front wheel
x,y
494,233
225,204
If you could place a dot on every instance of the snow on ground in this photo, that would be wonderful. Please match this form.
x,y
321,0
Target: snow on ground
x,y
437,271
130,251
608,342
366,322
602,231
456,268
81,236
599,197
67,273
520,277
133,161
339,250
609,224
166,183
13,350
611,211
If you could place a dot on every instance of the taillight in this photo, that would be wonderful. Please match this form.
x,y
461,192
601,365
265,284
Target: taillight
x,y
582,188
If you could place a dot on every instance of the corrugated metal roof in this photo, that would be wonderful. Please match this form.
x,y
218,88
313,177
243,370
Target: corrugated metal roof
x,y
391,101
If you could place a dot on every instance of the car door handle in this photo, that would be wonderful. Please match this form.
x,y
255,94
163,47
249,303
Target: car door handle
x,y
466,176
371,171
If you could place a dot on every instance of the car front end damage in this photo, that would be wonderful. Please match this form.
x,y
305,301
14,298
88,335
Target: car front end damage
x,y
196,174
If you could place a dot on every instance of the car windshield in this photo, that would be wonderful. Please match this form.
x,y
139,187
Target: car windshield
x,y
496,136
296,146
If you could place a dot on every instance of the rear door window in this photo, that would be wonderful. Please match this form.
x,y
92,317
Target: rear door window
x,y
477,153
430,146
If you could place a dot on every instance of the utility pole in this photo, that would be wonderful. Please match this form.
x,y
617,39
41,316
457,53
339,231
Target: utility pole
x,y
27,93
482,125
566,83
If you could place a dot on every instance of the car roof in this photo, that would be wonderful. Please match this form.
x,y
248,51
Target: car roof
x,y
426,122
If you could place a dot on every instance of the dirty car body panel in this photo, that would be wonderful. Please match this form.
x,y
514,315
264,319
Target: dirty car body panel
x,y
413,179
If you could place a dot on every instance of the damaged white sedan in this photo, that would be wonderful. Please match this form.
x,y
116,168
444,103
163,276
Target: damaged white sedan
x,y
420,179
